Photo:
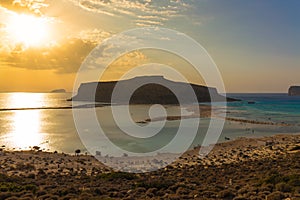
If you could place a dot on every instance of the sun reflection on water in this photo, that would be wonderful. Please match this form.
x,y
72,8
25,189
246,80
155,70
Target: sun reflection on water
x,y
26,124
26,100
26,129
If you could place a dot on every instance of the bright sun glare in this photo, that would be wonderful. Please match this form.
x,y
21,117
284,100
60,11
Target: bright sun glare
x,y
28,30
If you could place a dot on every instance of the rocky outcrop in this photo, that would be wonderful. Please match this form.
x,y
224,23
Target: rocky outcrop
x,y
58,91
294,91
152,93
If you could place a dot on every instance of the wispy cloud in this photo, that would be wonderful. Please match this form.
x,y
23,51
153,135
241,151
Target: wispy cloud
x,y
94,35
27,6
124,64
141,12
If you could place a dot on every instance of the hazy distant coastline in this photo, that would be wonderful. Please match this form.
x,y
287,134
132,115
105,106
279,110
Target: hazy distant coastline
x,y
58,91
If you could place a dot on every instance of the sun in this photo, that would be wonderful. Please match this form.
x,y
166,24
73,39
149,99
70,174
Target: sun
x,y
28,30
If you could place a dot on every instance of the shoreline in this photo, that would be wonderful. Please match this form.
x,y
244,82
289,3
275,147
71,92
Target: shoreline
x,y
240,169
239,142
86,153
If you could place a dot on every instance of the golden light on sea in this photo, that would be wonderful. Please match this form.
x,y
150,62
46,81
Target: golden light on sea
x,y
26,124
26,129
26,100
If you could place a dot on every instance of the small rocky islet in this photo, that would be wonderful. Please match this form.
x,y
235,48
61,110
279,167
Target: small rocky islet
x,y
294,91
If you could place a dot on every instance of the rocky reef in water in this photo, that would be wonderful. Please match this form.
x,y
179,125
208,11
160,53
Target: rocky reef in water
x,y
151,93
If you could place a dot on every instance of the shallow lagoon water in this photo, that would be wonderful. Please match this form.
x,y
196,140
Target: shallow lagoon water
x,y
54,129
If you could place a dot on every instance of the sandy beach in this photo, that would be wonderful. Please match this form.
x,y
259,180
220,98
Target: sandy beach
x,y
246,168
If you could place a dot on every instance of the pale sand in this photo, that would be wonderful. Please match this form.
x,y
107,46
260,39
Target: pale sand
x,y
244,149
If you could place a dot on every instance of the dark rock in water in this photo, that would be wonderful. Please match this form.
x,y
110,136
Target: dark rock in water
x,y
251,102
58,91
294,91
151,93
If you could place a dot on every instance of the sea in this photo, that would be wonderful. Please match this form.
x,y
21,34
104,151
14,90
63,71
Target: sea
x,y
46,120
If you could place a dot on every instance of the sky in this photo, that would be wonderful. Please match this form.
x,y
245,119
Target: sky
x,y
255,44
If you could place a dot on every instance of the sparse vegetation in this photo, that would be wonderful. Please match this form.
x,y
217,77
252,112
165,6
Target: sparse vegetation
x,y
77,152
269,178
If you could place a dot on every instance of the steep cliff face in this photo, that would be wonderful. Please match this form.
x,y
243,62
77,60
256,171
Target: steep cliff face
x,y
152,93
294,91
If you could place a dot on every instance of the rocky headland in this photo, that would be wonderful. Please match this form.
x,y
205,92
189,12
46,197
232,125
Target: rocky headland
x,y
294,91
151,93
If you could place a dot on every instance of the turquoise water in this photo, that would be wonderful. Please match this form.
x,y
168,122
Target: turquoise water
x,y
52,127
267,107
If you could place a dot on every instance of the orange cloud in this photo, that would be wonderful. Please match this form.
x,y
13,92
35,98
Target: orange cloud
x,y
63,58
24,6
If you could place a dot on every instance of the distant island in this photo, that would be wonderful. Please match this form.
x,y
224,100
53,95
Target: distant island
x,y
294,91
147,94
59,91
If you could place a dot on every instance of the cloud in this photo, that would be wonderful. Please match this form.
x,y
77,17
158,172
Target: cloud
x,y
143,22
63,58
25,6
140,12
68,56
125,63
94,35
